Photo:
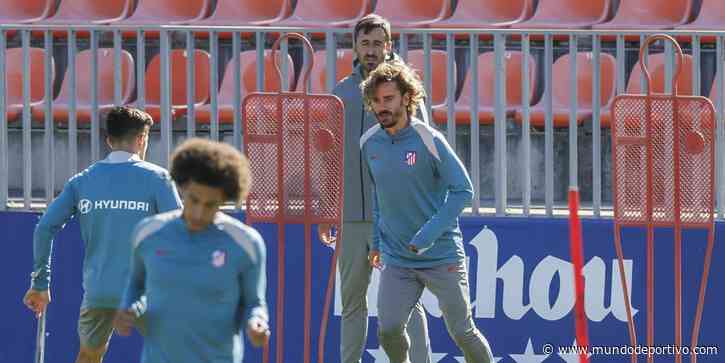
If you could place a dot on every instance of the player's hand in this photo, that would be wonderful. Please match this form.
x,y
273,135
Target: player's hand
x,y
258,331
37,301
324,233
123,322
374,259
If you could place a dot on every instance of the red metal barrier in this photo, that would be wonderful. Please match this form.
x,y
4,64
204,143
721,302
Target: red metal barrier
x,y
663,151
295,144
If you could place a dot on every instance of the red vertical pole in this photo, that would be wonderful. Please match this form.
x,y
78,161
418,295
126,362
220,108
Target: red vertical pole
x,y
577,257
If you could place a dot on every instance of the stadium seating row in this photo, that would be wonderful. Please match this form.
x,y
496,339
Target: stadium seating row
x,y
248,70
549,14
152,82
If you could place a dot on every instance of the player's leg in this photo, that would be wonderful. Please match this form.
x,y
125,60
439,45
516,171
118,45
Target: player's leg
x,y
354,280
398,293
449,283
418,332
95,327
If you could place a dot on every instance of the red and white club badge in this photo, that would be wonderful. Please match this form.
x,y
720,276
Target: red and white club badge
x,y
410,158
218,258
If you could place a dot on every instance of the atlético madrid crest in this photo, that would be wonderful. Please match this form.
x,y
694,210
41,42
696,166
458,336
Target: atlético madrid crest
x,y
218,258
410,158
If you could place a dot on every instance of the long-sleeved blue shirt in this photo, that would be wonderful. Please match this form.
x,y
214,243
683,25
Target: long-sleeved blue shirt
x,y
201,288
358,204
420,187
109,198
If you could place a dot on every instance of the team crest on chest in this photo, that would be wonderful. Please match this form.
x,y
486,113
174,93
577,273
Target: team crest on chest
x,y
218,258
410,157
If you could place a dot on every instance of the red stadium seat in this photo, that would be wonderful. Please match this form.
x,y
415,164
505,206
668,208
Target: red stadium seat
x,y
90,12
248,70
105,86
178,82
25,11
413,13
327,13
656,67
172,12
711,17
486,91
649,14
439,65
14,80
318,75
487,14
561,92
567,14
247,13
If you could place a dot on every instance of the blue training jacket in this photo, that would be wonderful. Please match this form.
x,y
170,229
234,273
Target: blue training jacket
x,y
109,198
420,187
201,288
358,204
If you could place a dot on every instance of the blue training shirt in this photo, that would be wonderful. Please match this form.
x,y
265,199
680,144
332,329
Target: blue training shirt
x,y
420,187
201,288
109,198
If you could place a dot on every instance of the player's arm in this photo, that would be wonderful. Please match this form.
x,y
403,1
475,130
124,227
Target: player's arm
x,y
460,191
167,196
58,214
253,281
133,303
374,255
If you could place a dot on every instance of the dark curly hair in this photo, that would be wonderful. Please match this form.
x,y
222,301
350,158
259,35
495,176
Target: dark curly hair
x,y
214,164
124,123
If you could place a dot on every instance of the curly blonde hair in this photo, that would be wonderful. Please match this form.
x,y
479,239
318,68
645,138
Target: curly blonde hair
x,y
404,77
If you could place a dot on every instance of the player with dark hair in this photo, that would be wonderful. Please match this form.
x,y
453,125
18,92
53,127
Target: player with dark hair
x,y
108,198
372,45
198,276
420,187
